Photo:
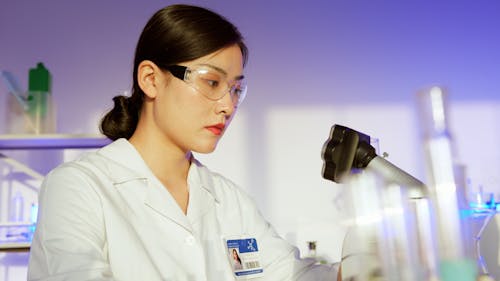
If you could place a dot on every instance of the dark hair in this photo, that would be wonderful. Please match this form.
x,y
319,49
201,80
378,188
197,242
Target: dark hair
x,y
174,34
237,256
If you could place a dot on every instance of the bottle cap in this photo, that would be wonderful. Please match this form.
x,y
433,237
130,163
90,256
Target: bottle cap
x,y
39,79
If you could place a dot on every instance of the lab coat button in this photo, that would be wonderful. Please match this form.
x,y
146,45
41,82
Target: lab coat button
x,y
189,240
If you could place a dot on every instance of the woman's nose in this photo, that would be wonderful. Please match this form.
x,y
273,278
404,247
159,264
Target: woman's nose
x,y
225,105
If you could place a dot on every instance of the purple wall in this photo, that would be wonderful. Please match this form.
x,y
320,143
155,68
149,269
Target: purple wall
x,y
314,53
323,53
312,64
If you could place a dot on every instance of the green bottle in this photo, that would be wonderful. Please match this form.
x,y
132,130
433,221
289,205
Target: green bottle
x,y
40,100
39,79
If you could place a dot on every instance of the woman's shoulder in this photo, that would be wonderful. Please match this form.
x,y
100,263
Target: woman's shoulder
x,y
77,172
104,162
81,166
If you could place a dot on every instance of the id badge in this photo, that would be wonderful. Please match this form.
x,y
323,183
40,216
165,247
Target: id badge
x,y
243,254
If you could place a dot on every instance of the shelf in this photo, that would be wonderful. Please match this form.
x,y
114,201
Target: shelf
x,y
16,235
52,141
15,247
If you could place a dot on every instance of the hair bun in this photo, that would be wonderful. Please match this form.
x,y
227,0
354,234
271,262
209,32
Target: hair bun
x,y
122,120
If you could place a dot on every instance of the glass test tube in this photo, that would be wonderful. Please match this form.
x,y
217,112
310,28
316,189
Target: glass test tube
x,y
384,232
454,265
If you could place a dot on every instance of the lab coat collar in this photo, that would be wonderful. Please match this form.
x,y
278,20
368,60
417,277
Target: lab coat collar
x,y
131,167
202,196
156,199
124,154
200,175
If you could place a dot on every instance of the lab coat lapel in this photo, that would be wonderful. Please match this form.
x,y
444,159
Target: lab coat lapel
x,y
145,192
160,200
200,203
131,168
202,198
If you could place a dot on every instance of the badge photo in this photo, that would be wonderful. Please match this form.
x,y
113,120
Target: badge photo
x,y
243,254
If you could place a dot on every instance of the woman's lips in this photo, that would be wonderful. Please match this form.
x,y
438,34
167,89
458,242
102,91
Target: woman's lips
x,y
216,129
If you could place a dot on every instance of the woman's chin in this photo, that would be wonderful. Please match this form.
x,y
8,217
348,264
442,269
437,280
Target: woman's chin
x,y
205,149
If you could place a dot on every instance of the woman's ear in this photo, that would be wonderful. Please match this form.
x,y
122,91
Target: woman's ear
x,y
147,78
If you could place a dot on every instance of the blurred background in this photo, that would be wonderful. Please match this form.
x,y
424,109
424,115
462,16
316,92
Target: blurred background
x,y
312,64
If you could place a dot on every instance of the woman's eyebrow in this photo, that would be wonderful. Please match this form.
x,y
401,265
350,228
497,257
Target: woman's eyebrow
x,y
239,77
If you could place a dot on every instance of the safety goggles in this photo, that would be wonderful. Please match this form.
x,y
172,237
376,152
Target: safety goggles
x,y
211,82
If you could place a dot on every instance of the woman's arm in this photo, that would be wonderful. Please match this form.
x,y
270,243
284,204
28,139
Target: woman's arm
x,y
281,261
69,241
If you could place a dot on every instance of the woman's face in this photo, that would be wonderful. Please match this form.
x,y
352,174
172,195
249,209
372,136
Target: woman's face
x,y
186,117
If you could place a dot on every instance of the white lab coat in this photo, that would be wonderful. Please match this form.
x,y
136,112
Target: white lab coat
x,y
107,217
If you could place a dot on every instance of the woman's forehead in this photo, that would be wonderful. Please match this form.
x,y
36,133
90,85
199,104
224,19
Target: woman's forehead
x,y
214,68
228,61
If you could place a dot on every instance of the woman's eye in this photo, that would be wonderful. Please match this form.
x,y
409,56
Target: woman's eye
x,y
212,83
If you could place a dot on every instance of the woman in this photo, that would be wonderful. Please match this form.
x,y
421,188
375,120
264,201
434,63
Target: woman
x,y
142,208
236,260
